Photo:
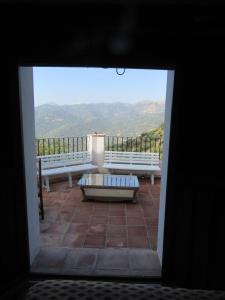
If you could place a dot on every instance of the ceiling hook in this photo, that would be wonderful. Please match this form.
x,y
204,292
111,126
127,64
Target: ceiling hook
x,y
118,73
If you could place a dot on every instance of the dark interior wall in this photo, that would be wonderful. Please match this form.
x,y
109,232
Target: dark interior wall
x,y
14,259
188,39
195,217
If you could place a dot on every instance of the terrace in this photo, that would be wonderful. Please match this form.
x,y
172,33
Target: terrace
x,y
99,238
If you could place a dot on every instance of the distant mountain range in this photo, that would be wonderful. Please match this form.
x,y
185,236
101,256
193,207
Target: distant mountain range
x,y
121,119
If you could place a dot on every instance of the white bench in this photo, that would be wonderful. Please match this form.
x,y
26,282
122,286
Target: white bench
x,y
132,161
66,163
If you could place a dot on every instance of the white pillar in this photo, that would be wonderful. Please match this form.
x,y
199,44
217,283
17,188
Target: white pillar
x,y
27,109
162,203
96,146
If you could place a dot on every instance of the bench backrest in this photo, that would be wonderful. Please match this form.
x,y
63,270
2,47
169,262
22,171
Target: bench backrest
x,y
141,158
65,159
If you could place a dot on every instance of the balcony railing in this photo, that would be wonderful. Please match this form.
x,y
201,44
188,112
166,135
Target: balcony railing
x,y
134,144
47,146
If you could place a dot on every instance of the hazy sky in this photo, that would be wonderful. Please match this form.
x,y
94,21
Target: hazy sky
x,y
91,85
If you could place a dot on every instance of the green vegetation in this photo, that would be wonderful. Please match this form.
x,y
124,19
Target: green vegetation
x,y
150,141
157,132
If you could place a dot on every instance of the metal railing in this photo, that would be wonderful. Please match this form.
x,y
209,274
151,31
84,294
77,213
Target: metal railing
x,y
134,144
47,146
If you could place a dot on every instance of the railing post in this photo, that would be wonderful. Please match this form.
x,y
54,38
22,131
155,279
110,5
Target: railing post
x,y
54,145
49,146
41,205
160,148
38,150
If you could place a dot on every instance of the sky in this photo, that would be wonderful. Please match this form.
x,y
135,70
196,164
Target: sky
x,y
91,85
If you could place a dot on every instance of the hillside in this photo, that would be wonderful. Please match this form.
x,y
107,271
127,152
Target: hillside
x,y
121,119
156,132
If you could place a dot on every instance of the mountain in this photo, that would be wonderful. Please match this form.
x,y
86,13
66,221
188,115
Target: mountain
x,y
121,119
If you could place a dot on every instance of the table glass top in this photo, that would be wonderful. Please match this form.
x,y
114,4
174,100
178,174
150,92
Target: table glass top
x,y
108,180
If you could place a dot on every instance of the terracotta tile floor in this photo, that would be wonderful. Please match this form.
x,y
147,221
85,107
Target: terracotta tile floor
x,y
70,222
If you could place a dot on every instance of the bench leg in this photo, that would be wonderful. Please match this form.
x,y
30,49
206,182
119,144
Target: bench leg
x,y
134,197
70,180
84,196
43,182
47,183
152,178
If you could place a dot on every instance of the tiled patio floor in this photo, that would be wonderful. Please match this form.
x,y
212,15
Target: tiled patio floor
x,y
70,222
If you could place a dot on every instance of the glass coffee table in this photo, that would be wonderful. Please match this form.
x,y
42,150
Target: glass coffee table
x,y
107,187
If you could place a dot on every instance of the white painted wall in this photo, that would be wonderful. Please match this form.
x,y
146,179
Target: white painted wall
x,y
168,108
96,145
27,109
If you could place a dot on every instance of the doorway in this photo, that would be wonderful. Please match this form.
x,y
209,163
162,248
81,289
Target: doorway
x,y
102,257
